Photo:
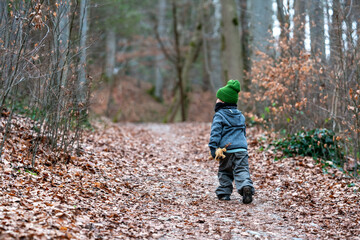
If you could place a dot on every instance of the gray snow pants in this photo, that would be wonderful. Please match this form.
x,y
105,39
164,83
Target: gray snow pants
x,y
234,166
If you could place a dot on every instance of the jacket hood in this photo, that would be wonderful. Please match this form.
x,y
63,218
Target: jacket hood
x,y
233,116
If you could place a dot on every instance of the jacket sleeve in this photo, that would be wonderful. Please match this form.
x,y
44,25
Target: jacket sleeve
x,y
215,135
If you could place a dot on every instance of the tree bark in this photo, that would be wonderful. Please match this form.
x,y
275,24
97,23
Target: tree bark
x,y
261,27
194,46
179,63
208,76
232,63
284,24
358,28
82,62
110,52
336,33
159,82
215,47
110,64
3,16
4,32
350,8
299,26
189,60
62,42
179,108
317,32
245,36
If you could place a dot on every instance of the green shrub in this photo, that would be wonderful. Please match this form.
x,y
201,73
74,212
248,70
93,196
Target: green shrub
x,y
317,143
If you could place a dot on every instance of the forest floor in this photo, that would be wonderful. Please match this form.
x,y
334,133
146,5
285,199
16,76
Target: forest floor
x,y
154,181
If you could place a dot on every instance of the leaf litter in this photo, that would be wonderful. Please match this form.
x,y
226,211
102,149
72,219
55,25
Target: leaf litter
x,y
149,181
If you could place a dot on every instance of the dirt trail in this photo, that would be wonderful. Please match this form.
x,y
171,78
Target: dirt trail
x,y
209,217
154,181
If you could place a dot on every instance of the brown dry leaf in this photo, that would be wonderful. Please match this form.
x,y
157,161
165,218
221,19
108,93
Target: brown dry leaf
x,y
155,181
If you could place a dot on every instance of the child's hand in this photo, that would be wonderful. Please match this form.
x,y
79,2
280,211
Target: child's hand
x,y
212,152
210,156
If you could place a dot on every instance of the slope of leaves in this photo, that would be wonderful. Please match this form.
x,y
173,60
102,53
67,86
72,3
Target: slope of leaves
x,y
155,181
133,103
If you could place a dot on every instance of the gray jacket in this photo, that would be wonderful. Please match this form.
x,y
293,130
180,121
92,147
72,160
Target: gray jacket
x,y
228,126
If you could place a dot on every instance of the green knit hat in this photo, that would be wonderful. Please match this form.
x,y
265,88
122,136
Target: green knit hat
x,y
229,93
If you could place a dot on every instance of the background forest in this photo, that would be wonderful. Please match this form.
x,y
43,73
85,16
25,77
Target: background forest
x,y
162,61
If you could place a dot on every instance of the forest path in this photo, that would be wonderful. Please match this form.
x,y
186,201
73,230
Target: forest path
x,y
154,181
192,179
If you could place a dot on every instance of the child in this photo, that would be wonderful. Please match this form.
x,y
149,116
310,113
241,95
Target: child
x,y
228,127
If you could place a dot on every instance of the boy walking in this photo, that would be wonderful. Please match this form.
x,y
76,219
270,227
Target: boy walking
x,y
228,128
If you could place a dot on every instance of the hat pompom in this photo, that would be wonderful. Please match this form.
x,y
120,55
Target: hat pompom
x,y
234,84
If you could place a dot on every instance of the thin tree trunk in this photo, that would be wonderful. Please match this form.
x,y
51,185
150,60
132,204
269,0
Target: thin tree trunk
x,y
82,62
317,32
356,10
159,82
3,17
350,7
208,76
195,44
245,36
357,147
284,24
335,33
299,25
261,22
179,64
215,47
183,65
4,36
110,64
110,52
232,63
63,40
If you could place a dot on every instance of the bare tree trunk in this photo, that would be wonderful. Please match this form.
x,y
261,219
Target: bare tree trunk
x,y
317,32
159,82
232,63
207,82
194,46
215,47
179,108
179,64
181,105
299,26
82,62
245,37
110,52
4,32
110,64
208,76
336,33
3,16
261,26
350,8
61,49
283,18
358,30
62,42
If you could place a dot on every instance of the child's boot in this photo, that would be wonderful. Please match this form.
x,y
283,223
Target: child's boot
x,y
224,197
247,195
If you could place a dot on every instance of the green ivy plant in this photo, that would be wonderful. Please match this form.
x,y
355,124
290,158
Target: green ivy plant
x,y
317,143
